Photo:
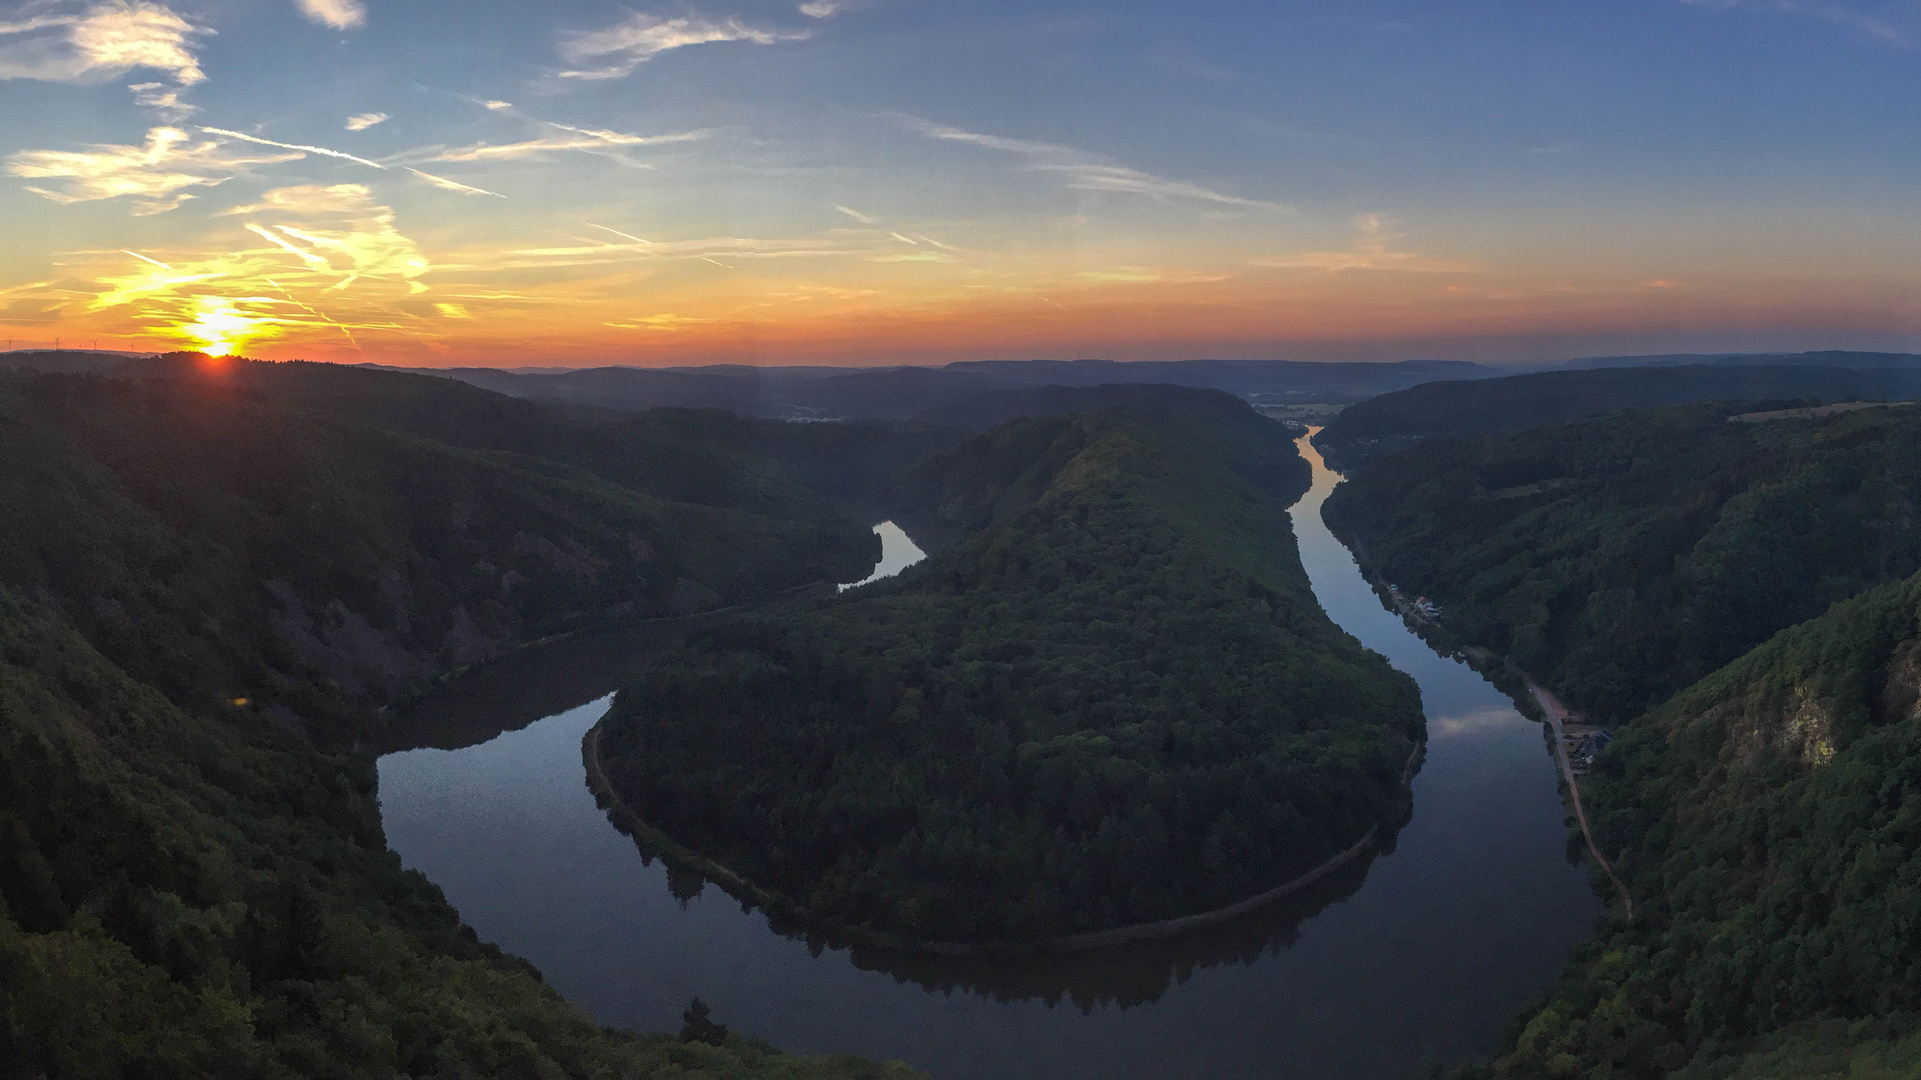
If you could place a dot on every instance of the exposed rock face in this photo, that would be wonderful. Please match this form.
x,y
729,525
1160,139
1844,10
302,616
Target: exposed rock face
x,y
342,645
1901,695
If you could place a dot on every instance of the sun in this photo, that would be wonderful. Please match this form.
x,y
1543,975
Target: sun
x,y
220,328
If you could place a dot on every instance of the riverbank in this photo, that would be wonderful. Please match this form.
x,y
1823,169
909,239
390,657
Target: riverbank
x,y
1556,713
625,819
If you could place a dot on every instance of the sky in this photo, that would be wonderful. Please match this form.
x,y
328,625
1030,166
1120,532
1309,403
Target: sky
x,y
495,182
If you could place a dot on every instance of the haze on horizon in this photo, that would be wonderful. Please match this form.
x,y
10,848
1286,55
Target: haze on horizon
x,y
887,181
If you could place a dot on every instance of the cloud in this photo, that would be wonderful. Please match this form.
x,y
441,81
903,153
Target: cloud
x,y
315,262
339,14
617,50
864,219
104,41
596,141
1082,171
156,96
321,150
709,250
667,321
156,174
452,185
365,120
1370,252
1840,14
824,9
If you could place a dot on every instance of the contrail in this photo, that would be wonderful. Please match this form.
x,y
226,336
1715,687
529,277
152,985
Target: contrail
x,y
451,185
617,232
143,258
295,146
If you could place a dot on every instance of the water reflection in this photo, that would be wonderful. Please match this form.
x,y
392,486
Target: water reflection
x,y
1124,976
1406,961
1135,973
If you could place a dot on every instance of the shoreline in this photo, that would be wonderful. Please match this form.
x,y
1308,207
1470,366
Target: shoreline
x,y
739,887
1556,712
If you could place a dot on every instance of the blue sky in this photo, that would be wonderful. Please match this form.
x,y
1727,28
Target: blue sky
x,y
899,180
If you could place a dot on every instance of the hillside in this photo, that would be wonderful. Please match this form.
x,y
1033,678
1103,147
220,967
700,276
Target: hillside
x,y
1378,427
1621,558
219,546
1768,822
1116,702
205,596
706,457
898,393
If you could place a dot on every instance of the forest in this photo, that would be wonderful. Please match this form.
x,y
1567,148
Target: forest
x,y
211,581
1380,426
1768,821
1621,558
1115,702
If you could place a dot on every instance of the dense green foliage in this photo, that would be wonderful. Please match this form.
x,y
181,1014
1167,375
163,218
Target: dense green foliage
x,y
1621,558
703,457
1768,822
191,897
219,547
1373,429
204,593
1116,702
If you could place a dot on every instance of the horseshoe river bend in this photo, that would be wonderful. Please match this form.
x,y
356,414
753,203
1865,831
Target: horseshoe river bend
x,y
1413,956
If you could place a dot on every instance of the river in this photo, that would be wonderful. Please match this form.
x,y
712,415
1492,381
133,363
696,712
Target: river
x,y
1413,957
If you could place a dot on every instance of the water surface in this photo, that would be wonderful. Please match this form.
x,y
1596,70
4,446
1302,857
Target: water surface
x,y
1413,957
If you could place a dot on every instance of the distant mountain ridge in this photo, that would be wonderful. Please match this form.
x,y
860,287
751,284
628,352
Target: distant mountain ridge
x,y
899,393
1378,427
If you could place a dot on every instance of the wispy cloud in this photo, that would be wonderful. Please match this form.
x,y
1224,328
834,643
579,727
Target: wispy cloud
x,y
339,14
303,148
864,219
710,249
617,50
156,175
1847,15
161,99
445,184
824,9
1083,171
365,120
1370,252
609,144
327,260
102,42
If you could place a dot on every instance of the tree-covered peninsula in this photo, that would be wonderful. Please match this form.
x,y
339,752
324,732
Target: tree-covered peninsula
x,y
205,596
1115,702
1623,557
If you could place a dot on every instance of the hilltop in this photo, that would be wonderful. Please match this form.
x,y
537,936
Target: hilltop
x,y
1620,558
1116,701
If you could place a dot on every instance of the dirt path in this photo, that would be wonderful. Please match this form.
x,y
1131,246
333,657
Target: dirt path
x,y
1557,712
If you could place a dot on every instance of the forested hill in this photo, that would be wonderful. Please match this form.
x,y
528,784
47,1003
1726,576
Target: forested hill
x,y
204,594
1116,702
1768,823
1621,558
1380,426
219,546
702,456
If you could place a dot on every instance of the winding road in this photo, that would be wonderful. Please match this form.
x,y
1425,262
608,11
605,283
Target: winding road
x,y
1556,713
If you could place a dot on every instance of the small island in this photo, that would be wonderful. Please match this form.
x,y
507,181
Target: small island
x,y
1114,705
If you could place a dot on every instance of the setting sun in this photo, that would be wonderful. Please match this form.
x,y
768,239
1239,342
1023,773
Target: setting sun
x,y
220,328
